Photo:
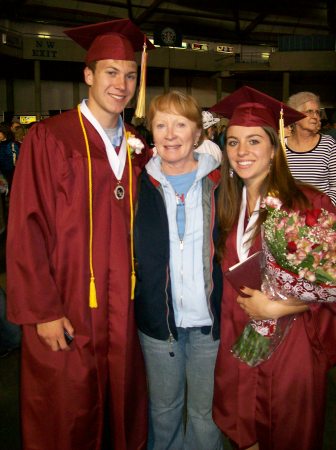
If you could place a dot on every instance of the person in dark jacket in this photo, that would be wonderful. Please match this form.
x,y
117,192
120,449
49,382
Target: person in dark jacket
x,y
179,284
9,152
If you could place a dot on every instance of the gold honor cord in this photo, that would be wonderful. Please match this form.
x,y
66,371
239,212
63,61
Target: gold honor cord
x,y
93,295
130,176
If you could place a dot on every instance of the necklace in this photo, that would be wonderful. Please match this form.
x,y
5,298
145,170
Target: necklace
x,y
116,160
119,191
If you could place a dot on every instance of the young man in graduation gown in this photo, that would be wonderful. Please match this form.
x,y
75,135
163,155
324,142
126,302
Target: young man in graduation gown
x,y
70,260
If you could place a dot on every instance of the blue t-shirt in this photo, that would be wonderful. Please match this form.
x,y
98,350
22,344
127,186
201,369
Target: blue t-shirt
x,y
181,185
115,134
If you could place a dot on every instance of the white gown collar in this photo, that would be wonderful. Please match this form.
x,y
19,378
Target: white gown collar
x,y
244,241
117,161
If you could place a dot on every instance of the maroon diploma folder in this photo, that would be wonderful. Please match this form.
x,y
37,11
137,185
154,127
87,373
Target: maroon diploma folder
x,y
246,273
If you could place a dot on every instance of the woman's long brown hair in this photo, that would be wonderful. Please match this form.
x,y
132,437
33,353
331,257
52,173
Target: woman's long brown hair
x,y
279,183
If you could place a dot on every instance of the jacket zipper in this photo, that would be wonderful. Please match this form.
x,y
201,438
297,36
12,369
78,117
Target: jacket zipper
x,y
181,272
171,337
182,245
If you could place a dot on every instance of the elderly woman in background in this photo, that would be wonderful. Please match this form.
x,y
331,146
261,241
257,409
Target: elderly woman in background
x,y
311,156
179,283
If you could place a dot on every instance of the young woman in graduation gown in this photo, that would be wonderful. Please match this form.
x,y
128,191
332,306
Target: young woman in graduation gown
x,y
279,404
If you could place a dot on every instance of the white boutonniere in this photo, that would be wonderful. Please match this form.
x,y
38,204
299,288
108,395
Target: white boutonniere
x,y
135,144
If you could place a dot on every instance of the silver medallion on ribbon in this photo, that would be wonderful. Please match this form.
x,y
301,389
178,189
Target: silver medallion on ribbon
x,y
119,192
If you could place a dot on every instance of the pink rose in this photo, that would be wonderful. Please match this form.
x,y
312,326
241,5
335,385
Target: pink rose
x,y
272,202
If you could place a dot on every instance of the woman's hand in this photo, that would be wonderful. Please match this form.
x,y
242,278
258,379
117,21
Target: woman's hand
x,y
259,307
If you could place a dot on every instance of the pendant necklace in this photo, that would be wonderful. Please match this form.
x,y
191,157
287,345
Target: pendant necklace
x,y
116,160
119,191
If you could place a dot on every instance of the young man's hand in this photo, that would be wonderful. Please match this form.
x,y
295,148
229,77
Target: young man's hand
x,y
52,333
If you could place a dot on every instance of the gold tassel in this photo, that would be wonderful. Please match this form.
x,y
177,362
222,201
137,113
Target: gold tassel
x,y
133,279
282,132
92,290
93,294
140,111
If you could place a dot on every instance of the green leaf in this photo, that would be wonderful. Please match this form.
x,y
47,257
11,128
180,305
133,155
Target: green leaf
x,y
324,277
251,347
290,221
302,231
307,262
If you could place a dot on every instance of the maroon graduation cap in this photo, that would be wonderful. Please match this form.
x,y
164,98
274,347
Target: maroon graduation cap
x,y
116,39
251,108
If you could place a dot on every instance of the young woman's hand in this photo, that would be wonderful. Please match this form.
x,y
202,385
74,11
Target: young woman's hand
x,y
259,307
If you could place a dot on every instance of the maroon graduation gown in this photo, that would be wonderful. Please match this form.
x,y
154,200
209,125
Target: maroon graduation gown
x,y
281,402
64,394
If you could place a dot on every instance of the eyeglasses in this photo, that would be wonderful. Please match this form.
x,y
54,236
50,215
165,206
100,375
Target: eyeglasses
x,y
312,112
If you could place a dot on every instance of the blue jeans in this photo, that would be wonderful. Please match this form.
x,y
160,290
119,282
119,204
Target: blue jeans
x,y
186,377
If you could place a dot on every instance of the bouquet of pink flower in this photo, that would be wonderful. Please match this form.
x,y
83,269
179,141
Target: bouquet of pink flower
x,y
300,261
300,251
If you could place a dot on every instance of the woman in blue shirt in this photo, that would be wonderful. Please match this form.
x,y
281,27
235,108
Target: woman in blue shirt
x,y
179,285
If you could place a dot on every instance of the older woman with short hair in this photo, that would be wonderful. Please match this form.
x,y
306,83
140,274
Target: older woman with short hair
x,y
311,156
179,284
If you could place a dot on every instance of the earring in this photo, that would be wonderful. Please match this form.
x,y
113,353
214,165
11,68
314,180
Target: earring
x,y
196,145
231,172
